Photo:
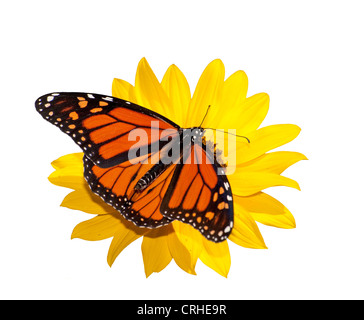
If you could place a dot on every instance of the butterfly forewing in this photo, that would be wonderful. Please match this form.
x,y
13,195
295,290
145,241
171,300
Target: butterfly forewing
x,y
101,125
197,195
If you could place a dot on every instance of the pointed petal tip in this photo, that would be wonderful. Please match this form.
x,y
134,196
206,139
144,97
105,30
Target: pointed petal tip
x,y
74,236
110,262
290,183
299,156
298,187
143,61
297,127
216,63
217,60
266,96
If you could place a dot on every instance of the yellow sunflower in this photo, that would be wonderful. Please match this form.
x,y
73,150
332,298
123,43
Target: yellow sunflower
x,y
255,169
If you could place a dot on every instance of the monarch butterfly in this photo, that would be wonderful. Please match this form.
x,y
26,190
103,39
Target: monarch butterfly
x,y
144,188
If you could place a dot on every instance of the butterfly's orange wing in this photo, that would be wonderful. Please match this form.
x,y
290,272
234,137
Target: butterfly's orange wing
x,y
101,125
191,192
197,195
115,186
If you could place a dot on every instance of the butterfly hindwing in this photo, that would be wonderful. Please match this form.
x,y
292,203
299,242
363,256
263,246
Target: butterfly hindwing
x,y
101,125
197,195
115,185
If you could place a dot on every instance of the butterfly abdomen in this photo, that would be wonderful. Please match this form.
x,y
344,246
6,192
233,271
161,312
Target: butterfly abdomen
x,y
151,175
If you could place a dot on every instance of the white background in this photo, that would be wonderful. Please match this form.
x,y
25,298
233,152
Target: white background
x,y
307,55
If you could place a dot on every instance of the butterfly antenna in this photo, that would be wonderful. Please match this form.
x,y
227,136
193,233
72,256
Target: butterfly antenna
x,y
236,135
205,116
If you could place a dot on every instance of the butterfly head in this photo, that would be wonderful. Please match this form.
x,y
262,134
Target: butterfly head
x,y
197,134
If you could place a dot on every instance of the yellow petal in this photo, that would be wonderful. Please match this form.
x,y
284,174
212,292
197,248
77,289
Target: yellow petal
x,y
252,114
227,115
267,210
69,160
149,92
69,177
235,90
156,255
263,140
191,239
285,221
180,254
125,235
85,200
261,203
123,90
248,183
274,162
98,228
245,231
216,256
207,93
69,171
231,103
176,86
